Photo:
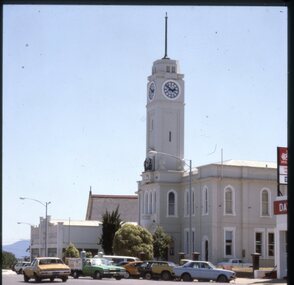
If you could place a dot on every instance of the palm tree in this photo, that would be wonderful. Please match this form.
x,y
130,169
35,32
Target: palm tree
x,y
111,222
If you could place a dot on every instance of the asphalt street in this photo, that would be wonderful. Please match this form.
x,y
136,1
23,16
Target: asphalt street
x,y
11,278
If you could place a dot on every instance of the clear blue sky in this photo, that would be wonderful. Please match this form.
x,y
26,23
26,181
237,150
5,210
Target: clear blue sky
x,y
74,96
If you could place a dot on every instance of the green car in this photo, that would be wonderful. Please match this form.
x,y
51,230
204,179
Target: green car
x,y
97,268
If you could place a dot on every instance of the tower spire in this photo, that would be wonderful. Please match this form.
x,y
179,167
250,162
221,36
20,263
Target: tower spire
x,y
165,45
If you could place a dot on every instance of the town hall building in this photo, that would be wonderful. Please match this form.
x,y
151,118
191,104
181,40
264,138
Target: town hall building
x,y
220,210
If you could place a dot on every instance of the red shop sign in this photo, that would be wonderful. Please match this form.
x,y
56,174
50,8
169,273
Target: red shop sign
x,y
281,207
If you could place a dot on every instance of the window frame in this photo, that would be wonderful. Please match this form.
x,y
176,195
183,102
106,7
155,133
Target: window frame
x,y
231,189
175,204
268,203
262,246
204,201
233,231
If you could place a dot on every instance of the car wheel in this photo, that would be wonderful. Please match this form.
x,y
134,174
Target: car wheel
x,y
148,276
51,279
64,279
222,278
117,278
37,278
127,275
97,275
186,277
25,278
165,275
75,274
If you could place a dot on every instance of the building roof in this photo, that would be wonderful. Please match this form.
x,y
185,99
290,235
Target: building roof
x,y
85,223
249,163
98,204
246,163
99,196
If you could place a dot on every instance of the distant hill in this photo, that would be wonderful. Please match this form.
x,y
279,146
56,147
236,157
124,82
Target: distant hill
x,y
19,248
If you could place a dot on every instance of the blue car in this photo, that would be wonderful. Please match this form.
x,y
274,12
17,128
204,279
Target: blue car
x,y
202,271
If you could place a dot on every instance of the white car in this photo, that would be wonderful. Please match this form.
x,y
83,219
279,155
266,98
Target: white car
x,y
18,267
202,271
234,262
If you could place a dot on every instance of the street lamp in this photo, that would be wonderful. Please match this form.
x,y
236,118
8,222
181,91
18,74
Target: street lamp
x,y
153,152
45,204
22,223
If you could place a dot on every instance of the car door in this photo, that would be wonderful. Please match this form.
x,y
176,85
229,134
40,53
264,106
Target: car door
x,y
87,268
205,271
30,269
193,269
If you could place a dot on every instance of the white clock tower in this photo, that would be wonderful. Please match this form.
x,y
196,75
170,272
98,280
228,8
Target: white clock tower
x,y
165,114
160,186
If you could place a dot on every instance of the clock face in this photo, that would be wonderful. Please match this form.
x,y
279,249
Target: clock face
x,y
151,90
171,89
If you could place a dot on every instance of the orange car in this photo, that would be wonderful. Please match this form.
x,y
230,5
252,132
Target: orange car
x,y
132,269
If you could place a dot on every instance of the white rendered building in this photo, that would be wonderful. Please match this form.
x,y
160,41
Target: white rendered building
x,y
83,234
223,210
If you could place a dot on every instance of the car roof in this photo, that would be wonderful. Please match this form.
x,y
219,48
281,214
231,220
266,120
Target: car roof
x,y
47,257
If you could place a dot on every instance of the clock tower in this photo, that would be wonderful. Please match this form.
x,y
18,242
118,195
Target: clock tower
x,y
165,114
161,184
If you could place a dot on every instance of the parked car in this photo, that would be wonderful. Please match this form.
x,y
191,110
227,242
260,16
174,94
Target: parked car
x,y
234,262
162,270
46,268
117,258
155,269
132,269
145,269
97,268
18,267
202,271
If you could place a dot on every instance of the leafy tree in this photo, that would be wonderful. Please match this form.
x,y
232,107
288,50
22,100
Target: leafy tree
x,y
161,241
132,240
8,260
71,251
111,222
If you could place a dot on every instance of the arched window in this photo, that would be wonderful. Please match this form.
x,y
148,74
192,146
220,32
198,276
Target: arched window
x,y
150,203
265,203
154,202
229,201
171,203
205,201
146,203
193,202
187,203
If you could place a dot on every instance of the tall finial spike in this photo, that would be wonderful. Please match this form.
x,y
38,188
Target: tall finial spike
x,y
165,46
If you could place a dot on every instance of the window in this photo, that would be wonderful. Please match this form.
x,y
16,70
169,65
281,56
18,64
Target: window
x,y
193,203
146,203
173,69
205,201
150,203
171,203
229,201
271,245
154,202
228,242
169,136
265,203
187,240
187,203
168,69
258,242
